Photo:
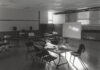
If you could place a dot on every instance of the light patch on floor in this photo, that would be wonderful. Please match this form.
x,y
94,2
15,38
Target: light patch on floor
x,y
77,63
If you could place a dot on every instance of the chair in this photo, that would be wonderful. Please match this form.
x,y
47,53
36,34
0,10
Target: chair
x,y
29,46
42,54
39,50
48,58
78,53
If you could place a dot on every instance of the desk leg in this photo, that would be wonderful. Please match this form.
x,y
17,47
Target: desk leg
x,y
59,58
59,64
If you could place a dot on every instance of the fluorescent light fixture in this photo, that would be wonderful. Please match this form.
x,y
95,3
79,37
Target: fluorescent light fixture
x,y
59,7
58,0
57,4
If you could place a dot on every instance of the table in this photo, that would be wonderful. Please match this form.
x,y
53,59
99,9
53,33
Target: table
x,y
3,43
59,52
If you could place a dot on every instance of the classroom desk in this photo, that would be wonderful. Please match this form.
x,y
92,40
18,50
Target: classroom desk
x,y
59,52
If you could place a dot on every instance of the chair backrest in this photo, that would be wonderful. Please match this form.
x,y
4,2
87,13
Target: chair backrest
x,y
81,49
42,43
37,47
55,40
44,52
29,44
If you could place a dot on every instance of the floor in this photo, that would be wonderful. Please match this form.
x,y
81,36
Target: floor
x,y
92,54
17,60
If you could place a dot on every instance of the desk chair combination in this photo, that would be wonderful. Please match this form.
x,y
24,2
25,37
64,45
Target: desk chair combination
x,y
78,53
42,53
45,56
49,59
29,46
33,50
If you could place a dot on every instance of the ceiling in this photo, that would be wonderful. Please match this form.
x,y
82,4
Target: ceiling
x,y
48,4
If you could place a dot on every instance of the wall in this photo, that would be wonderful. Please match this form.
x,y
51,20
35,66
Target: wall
x,y
95,17
58,20
21,18
43,16
71,17
94,23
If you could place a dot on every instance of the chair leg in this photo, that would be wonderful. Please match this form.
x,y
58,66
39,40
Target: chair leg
x,y
73,63
54,62
65,55
27,55
83,64
48,66
73,60
70,58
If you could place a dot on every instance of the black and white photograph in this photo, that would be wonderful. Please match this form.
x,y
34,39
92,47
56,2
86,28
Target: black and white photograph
x,y
49,34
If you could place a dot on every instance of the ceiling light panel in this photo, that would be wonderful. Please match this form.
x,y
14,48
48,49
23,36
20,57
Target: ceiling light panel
x,y
57,4
58,0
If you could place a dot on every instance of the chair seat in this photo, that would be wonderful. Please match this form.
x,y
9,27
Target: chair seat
x,y
75,54
49,58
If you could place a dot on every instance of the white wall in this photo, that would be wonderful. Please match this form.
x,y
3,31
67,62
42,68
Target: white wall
x,y
7,25
24,14
59,19
44,16
20,15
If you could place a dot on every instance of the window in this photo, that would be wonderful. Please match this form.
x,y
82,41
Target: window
x,y
50,17
83,22
83,17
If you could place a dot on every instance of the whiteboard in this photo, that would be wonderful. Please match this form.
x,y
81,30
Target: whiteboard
x,y
72,30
